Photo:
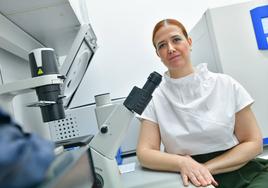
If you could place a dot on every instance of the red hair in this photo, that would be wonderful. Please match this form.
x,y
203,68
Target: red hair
x,y
169,22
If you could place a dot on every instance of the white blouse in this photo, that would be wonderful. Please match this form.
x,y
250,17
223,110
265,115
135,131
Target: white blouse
x,y
196,113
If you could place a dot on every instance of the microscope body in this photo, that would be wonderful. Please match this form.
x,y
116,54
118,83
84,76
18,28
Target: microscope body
x,y
106,143
43,62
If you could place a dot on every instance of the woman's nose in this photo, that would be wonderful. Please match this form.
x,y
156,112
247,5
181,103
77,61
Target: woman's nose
x,y
171,49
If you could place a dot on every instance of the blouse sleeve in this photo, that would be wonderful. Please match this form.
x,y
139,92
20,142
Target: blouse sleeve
x,y
149,113
242,97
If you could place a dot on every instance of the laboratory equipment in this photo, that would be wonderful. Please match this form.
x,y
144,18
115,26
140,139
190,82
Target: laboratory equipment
x,y
43,62
224,38
72,130
46,81
69,77
105,144
77,61
104,106
72,169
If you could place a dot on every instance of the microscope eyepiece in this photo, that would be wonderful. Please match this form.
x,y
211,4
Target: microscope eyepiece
x,y
152,82
138,98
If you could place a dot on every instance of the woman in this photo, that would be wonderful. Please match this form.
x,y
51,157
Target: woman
x,y
203,119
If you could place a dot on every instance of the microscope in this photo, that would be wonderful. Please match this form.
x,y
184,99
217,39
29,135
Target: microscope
x,y
55,87
47,82
106,143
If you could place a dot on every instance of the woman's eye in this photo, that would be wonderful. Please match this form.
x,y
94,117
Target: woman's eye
x,y
160,46
177,39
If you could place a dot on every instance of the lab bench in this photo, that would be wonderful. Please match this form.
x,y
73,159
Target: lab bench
x,y
145,178
73,169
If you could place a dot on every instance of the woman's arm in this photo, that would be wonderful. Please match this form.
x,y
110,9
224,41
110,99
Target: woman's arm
x,y
148,150
150,156
250,144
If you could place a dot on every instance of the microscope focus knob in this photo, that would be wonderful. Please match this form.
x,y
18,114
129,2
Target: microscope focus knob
x,y
104,129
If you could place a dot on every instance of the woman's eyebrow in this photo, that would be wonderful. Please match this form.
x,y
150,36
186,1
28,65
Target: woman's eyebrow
x,y
162,41
175,36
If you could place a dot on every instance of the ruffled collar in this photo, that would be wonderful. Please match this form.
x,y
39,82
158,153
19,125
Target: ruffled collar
x,y
200,74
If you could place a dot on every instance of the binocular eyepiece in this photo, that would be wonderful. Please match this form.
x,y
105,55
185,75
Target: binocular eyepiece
x,y
138,98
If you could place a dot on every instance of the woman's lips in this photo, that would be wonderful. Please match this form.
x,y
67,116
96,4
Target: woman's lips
x,y
174,57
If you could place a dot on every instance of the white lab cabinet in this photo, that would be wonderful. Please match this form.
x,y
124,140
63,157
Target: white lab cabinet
x,y
224,38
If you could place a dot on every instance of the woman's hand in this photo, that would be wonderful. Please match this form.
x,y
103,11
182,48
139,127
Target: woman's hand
x,y
196,173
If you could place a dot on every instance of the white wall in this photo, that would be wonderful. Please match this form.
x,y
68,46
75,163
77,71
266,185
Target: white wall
x,y
126,56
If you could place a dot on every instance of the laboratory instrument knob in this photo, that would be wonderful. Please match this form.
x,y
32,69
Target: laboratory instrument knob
x,y
104,129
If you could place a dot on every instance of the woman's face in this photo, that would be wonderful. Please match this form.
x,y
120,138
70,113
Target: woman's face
x,y
172,47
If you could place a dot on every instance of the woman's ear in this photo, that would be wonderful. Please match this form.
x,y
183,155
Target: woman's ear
x,y
190,41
